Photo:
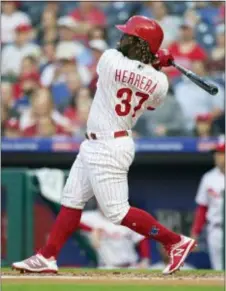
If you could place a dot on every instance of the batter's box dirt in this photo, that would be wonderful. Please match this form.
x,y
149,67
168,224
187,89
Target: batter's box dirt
x,y
116,277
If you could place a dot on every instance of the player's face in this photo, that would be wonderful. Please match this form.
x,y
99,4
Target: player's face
x,y
220,160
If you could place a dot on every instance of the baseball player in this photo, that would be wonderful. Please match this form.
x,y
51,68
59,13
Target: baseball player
x,y
129,82
210,201
115,244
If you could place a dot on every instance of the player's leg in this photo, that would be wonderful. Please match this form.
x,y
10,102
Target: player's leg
x,y
108,171
77,192
215,246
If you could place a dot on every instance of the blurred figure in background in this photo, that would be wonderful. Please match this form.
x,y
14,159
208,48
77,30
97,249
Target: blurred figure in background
x,y
12,128
47,32
11,18
13,54
186,50
45,127
216,64
97,47
169,23
29,67
89,15
115,244
204,126
8,101
210,205
41,107
194,100
163,122
78,112
48,55
29,83
65,63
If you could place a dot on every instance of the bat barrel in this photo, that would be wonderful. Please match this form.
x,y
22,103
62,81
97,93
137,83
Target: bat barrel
x,y
210,88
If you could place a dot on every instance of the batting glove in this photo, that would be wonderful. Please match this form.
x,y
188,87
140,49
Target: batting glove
x,y
163,59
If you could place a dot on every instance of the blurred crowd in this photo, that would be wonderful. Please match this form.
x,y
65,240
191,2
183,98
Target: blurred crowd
x,y
50,51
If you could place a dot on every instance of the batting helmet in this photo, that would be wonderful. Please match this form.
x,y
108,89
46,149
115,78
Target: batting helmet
x,y
145,28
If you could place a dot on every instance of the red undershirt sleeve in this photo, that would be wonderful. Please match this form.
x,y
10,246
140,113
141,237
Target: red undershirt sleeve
x,y
85,227
143,247
199,220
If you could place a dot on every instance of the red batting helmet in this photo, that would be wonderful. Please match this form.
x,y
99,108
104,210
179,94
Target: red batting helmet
x,y
145,28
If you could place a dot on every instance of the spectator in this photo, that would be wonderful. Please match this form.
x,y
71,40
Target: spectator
x,y
11,18
194,100
64,64
78,112
97,46
7,100
29,84
29,66
54,7
48,29
186,50
97,32
211,12
7,104
12,55
12,129
48,55
203,126
169,23
41,107
163,121
67,27
89,15
217,62
219,124
65,95
45,127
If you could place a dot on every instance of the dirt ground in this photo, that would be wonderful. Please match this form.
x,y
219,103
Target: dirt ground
x,y
116,278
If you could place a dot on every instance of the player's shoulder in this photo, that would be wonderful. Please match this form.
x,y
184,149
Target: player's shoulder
x,y
111,53
211,173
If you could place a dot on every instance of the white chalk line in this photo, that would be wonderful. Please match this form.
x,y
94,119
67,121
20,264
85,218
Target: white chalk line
x,y
47,277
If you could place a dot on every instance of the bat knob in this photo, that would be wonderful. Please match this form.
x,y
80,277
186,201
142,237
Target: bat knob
x,y
214,90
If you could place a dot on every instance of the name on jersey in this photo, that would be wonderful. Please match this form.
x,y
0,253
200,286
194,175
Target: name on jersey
x,y
141,82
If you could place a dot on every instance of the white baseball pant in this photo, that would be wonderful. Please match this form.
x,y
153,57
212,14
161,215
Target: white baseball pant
x,y
101,169
215,245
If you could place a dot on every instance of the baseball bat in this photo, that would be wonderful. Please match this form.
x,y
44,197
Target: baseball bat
x,y
210,88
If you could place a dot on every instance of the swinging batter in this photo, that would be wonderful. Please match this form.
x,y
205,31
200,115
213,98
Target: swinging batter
x,y
129,83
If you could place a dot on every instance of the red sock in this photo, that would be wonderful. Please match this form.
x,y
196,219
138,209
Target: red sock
x,y
145,224
66,223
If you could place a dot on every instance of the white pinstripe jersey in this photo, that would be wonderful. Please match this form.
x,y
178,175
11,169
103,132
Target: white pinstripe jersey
x,y
210,194
125,89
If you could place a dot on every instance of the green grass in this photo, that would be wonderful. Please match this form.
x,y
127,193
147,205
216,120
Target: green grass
x,y
73,287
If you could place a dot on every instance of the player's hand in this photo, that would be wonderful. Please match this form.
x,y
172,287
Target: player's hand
x,y
96,237
143,264
160,130
163,59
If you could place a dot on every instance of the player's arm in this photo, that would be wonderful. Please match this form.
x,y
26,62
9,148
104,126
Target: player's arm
x,y
201,209
143,249
144,252
84,227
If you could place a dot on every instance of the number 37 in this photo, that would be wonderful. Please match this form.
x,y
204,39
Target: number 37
x,y
125,95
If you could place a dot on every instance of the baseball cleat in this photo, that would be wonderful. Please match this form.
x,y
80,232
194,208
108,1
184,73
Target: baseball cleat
x,y
36,264
178,253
